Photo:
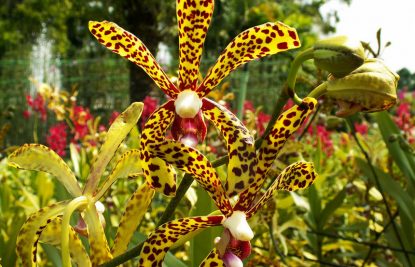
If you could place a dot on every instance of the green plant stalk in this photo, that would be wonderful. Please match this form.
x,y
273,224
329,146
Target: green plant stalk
x,y
292,74
274,243
379,187
242,92
72,206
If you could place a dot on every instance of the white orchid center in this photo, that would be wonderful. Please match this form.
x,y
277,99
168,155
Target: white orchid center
x,y
187,104
100,207
238,226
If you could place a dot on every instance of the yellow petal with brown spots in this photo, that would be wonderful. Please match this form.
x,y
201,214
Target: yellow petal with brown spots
x,y
193,18
212,259
159,175
287,123
129,46
41,158
134,211
299,175
158,243
256,42
52,235
240,145
192,161
26,244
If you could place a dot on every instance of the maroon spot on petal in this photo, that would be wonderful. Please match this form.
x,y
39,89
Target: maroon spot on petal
x,y
282,45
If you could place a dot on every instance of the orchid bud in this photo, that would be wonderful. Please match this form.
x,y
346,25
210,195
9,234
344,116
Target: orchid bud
x,y
370,88
338,55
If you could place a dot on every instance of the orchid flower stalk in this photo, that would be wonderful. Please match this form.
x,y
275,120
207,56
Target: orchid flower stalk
x,y
188,108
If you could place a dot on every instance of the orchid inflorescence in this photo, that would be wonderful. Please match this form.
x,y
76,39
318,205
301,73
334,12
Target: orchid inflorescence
x,y
158,158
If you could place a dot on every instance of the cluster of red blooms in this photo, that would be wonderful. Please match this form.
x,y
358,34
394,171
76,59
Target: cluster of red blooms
x,y
37,105
57,137
403,116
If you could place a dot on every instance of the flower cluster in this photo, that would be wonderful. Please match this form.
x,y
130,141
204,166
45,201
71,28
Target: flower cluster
x,y
36,105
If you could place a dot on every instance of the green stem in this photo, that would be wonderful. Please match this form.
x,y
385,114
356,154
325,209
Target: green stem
x,y
318,91
35,126
67,213
292,74
379,187
274,243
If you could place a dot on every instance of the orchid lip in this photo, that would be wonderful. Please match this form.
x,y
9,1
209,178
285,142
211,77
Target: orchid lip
x,y
238,226
187,104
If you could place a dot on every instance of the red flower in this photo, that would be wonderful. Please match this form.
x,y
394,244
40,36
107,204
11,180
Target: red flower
x,y
361,128
26,114
37,105
56,138
150,105
262,121
80,117
248,105
323,136
113,116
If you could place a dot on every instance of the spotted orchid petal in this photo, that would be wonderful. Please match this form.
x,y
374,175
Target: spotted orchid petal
x,y
41,158
99,250
134,211
240,146
213,259
52,235
287,123
192,161
26,244
129,163
158,243
159,175
256,42
193,18
129,46
299,175
118,131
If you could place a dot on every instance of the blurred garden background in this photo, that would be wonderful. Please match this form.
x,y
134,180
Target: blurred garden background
x,y
61,88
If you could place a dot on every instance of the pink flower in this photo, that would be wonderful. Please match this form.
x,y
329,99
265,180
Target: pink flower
x,y
26,114
248,105
56,138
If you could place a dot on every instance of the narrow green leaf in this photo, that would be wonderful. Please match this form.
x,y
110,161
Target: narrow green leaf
x,y
390,187
391,134
315,206
332,206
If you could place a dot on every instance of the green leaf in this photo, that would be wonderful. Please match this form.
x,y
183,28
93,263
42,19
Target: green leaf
x,y
315,206
331,207
390,133
390,187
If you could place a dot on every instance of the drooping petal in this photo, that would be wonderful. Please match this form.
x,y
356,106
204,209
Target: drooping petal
x,y
99,250
256,42
134,211
26,244
240,145
299,175
213,259
192,161
129,46
193,18
129,163
41,158
119,129
158,243
160,175
287,123
52,235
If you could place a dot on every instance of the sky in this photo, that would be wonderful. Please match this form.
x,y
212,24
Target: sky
x,y
363,18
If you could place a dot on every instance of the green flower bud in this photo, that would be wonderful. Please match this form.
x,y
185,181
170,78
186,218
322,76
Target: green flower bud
x,y
369,88
338,55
